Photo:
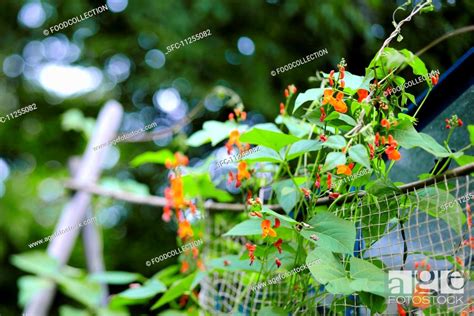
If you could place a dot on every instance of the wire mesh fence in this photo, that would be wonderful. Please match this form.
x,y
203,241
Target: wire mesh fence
x,y
396,230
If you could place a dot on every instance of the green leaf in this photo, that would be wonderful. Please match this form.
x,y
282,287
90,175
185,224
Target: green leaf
x,y
335,141
415,63
199,138
327,270
147,290
464,160
434,202
218,131
268,138
115,277
66,310
36,262
358,153
346,118
200,184
85,292
272,310
374,302
246,228
381,186
303,146
105,311
176,290
408,137
333,160
354,82
368,277
30,286
294,125
308,95
335,234
287,194
263,154
285,218
470,128
158,157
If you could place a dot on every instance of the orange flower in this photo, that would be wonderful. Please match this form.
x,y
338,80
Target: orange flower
x,y
338,103
372,151
434,79
392,153
242,173
192,208
184,267
459,261
317,183
243,116
377,139
251,248
282,109
166,213
195,253
179,160
331,75
234,139
327,97
185,230
277,244
329,180
362,93
278,262
420,298
177,192
267,230
200,265
343,169
231,116
323,114
343,84
277,223
385,123
401,311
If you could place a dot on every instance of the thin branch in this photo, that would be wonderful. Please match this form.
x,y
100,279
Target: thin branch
x,y
398,27
469,28
159,201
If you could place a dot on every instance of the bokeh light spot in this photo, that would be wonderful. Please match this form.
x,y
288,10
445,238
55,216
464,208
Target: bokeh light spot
x,y
246,46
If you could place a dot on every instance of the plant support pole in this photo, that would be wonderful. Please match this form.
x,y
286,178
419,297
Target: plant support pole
x,y
74,212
